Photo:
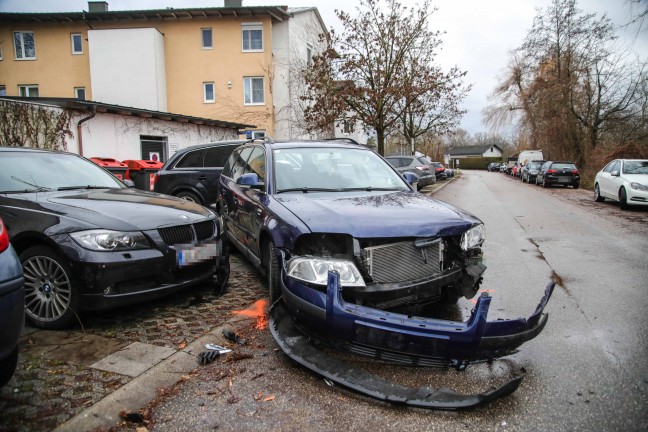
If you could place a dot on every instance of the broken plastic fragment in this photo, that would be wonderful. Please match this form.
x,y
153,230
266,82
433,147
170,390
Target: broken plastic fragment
x,y
220,349
207,357
230,335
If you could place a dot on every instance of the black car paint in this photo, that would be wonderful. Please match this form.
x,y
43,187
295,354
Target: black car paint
x,y
12,311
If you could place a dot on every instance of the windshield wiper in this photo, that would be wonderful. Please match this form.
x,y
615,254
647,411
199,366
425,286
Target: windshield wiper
x,y
35,186
308,189
63,188
370,188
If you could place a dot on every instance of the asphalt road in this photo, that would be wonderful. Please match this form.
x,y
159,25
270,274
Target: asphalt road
x,y
586,371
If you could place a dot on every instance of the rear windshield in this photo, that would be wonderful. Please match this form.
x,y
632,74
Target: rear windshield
x,y
563,166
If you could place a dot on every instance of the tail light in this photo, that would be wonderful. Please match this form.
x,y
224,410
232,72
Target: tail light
x,y
575,172
440,169
4,237
551,171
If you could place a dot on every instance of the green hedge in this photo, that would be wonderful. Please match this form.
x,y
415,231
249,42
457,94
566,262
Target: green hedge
x,y
477,163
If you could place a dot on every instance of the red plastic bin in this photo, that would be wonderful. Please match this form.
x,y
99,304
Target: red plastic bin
x,y
142,172
115,167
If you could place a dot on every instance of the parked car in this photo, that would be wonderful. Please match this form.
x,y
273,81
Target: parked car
x,y
530,170
350,250
514,170
560,173
623,180
192,172
502,168
423,171
439,170
449,172
88,242
494,166
12,306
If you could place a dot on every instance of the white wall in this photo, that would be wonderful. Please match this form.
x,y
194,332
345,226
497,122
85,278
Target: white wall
x,y
127,67
492,152
118,137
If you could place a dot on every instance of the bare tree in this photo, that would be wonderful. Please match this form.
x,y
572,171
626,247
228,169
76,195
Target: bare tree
x,y
366,72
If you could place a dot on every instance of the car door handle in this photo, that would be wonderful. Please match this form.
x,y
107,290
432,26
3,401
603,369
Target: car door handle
x,y
202,177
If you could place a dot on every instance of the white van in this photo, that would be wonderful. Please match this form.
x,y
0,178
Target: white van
x,y
527,156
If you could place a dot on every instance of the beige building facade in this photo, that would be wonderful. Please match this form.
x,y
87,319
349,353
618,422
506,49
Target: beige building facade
x,y
214,63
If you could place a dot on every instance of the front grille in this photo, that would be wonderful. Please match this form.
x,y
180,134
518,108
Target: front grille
x,y
184,234
403,261
396,357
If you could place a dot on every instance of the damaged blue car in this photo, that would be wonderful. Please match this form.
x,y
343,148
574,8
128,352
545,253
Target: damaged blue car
x,y
352,253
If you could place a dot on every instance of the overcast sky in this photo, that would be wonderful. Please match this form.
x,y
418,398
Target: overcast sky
x,y
479,34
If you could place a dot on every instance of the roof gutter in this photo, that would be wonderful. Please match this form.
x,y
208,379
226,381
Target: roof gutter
x,y
83,120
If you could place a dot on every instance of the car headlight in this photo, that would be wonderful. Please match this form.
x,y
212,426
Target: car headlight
x,y
108,241
638,186
315,270
473,237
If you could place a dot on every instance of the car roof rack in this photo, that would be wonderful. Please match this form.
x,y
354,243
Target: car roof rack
x,y
265,139
351,140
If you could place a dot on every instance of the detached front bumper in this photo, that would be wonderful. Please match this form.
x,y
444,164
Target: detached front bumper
x,y
409,340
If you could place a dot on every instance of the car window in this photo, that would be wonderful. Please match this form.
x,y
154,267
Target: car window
x,y
560,166
332,168
616,165
239,162
31,171
608,167
396,162
256,163
635,167
216,157
193,159
423,161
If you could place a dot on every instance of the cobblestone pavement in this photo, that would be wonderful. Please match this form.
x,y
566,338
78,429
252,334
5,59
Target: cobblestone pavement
x,y
47,391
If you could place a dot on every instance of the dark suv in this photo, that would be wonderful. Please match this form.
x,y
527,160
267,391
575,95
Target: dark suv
x,y
192,172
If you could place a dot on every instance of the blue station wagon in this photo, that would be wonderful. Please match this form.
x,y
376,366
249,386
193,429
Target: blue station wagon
x,y
351,251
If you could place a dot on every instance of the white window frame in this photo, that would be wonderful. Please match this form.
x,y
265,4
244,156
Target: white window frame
x,y
247,85
213,90
26,89
80,36
202,38
76,93
309,54
22,45
249,27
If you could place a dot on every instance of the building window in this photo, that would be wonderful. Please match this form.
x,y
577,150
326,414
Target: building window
x,y
79,93
309,55
253,91
207,38
77,46
252,37
25,45
347,127
3,90
258,134
208,92
153,148
28,90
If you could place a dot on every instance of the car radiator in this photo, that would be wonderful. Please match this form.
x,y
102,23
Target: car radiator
x,y
404,261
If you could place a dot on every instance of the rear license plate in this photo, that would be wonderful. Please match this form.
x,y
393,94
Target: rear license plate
x,y
189,255
564,179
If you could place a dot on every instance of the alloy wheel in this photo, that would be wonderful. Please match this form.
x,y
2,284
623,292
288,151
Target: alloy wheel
x,y
48,291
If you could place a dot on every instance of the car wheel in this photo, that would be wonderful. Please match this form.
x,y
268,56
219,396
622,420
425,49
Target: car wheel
x,y
223,270
576,186
544,183
623,199
597,194
272,271
523,180
50,295
189,196
8,366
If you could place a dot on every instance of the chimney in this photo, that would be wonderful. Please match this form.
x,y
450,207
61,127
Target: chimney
x,y
97,6
233,3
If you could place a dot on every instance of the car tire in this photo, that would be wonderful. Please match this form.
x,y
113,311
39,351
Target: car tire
x,y
272,271
576,186
623,199
544,183
223,270
597,194
8,367
189,196
51,296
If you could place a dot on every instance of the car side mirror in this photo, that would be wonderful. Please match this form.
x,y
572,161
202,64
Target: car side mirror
x,y
411,178
129,183
251,180
614,173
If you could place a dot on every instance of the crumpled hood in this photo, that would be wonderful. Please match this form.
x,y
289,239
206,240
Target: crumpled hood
x,y
378,214
116,209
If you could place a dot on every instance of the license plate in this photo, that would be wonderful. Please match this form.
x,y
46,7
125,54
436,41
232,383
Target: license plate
x,y
564,179
189,255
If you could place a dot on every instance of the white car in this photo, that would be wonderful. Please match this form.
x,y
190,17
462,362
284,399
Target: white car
x,y
623,180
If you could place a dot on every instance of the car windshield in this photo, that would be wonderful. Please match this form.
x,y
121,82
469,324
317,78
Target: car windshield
x,y
636,167
38,172
333,169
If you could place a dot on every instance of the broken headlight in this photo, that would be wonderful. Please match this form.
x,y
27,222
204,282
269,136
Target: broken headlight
x,y
472,238
315,270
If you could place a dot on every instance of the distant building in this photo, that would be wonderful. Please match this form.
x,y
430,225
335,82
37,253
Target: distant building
x,y
471,152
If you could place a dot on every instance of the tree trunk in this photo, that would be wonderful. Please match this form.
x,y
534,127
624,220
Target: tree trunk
x,y
380,135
